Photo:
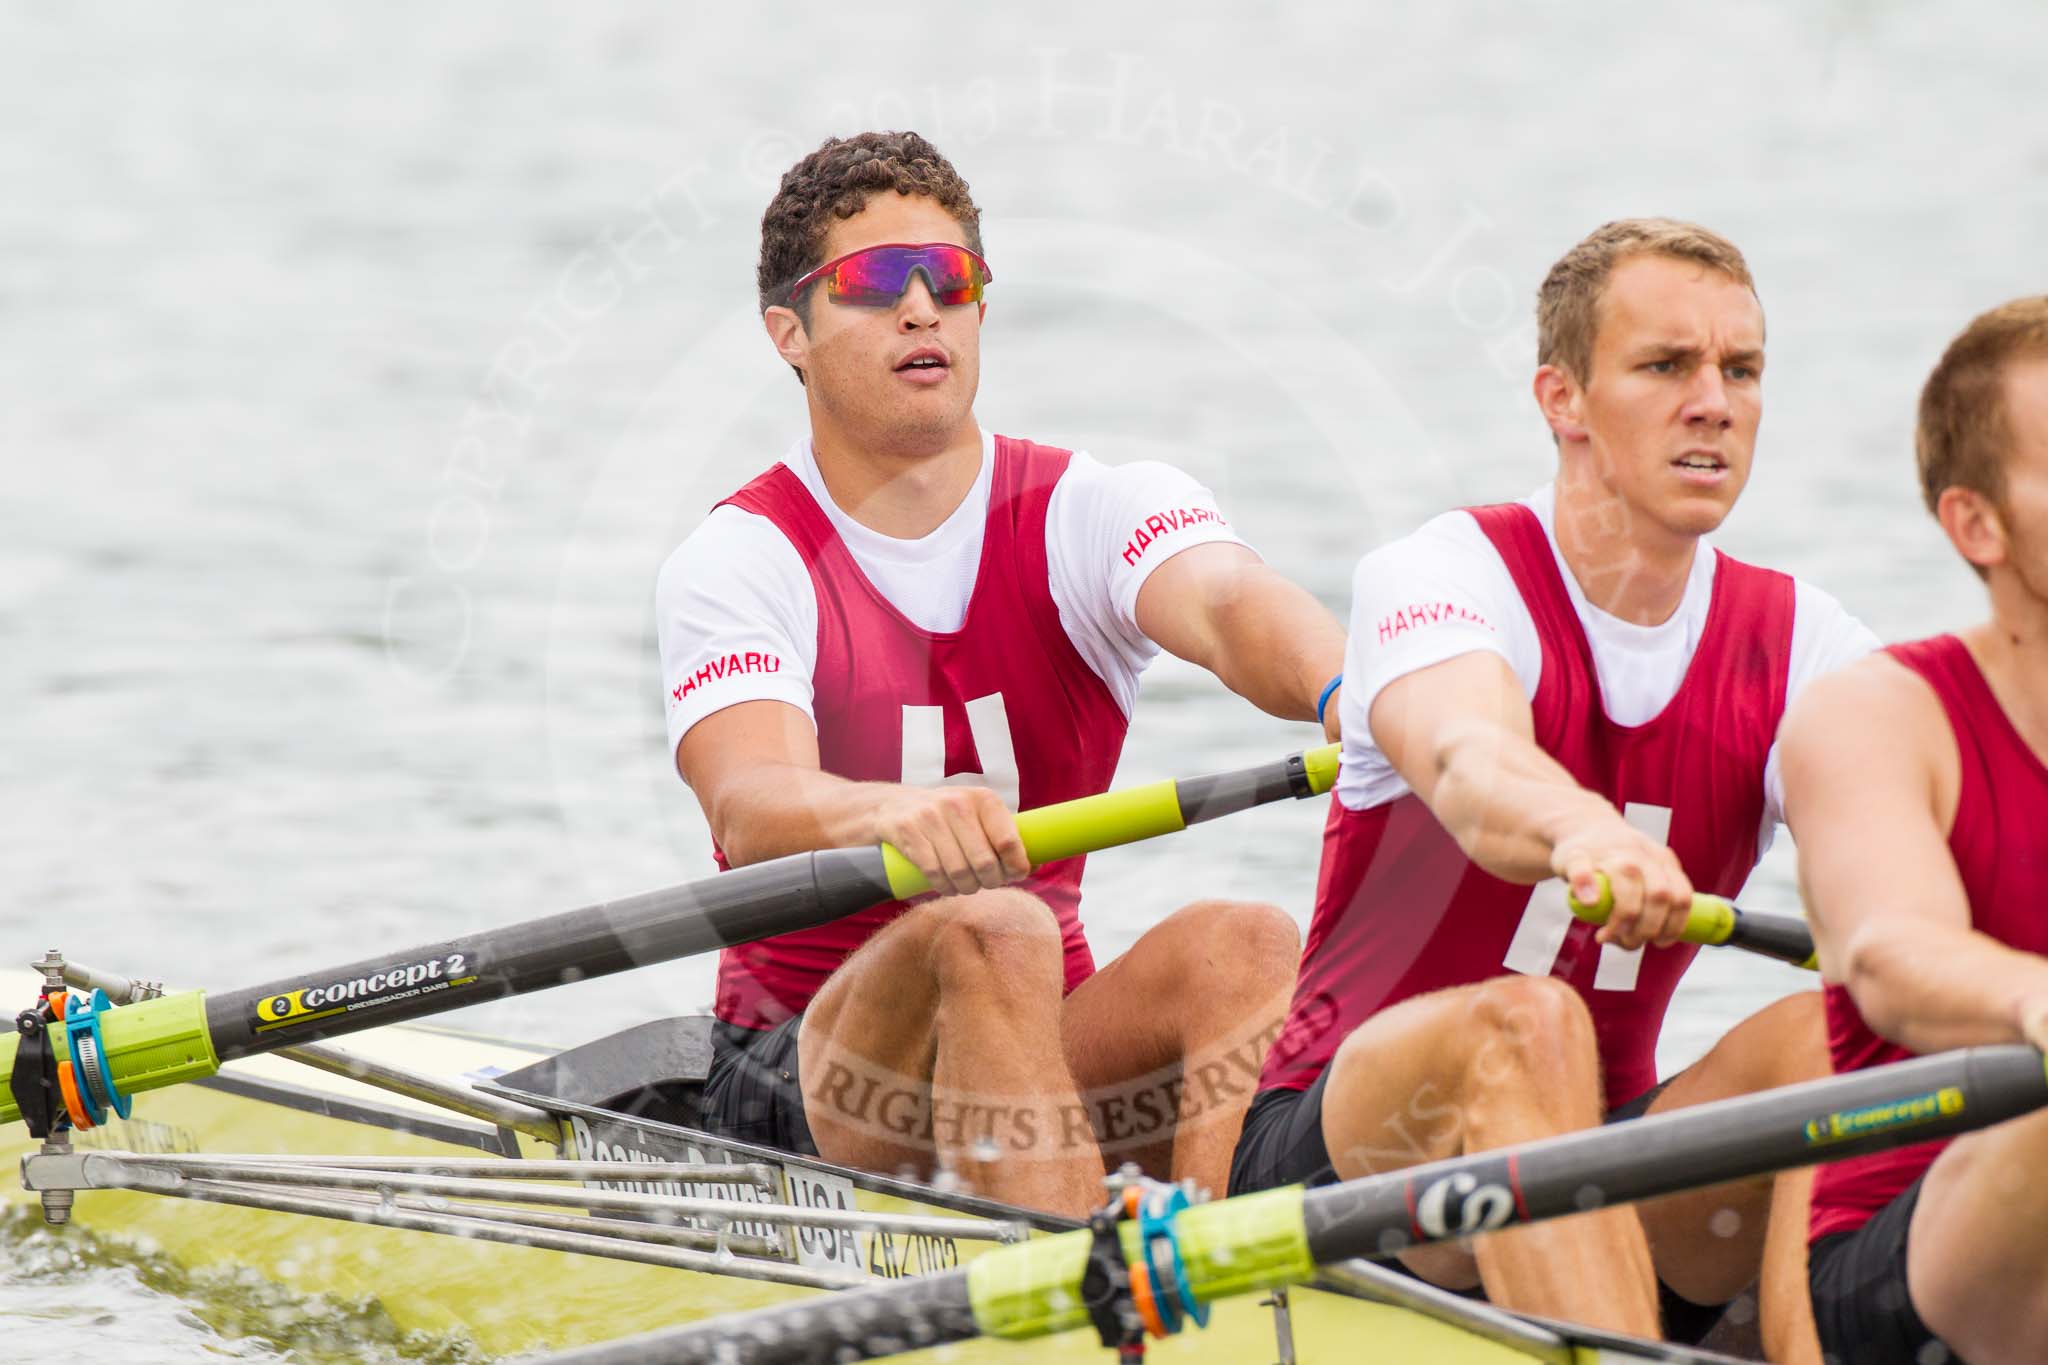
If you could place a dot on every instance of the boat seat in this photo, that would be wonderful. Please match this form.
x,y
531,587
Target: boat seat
x,y
653,1070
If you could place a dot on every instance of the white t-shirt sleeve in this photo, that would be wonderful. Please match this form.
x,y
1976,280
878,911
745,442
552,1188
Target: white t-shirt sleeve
x,y
736,618
1825,637
1431,596
1106,529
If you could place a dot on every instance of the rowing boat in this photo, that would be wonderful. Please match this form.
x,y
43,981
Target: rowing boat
x,y
187,1175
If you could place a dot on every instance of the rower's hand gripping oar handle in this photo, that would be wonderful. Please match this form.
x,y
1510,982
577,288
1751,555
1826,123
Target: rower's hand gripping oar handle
x,y
1717,923
1091,823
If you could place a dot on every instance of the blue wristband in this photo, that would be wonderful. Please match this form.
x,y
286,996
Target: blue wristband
x,y
1324,700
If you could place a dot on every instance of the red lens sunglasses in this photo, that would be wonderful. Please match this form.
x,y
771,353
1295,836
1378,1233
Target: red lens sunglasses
x,y
877,276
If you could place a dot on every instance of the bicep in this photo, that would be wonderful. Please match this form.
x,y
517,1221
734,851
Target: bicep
x,y
742,740
1865,815
1123,540
1181,603
1420,716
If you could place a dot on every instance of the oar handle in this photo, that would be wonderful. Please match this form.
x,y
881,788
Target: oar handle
x,y
1125,816
1718,923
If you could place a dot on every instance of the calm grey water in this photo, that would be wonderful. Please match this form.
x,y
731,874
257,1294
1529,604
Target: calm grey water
x,y
363,363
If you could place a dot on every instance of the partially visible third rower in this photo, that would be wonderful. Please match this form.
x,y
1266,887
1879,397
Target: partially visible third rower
x,y
901,632
1917,786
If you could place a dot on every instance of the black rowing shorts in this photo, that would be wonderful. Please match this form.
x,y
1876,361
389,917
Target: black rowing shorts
x,y
1860,1303
1282,1144
751,1092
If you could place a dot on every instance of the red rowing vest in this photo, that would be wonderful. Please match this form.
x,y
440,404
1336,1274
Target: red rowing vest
x,y
1008,686
1400,911
2002,857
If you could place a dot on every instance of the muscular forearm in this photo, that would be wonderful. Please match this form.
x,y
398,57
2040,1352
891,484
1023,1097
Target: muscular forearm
x,y
962,839
1929,986
780,808
755,770
1507,802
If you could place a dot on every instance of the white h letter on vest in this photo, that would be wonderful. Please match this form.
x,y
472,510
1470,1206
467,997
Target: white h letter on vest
x,y
1539,938
924,748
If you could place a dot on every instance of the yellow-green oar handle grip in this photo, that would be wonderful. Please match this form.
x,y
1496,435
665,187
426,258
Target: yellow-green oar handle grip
x,y
1091,823
1711,922
1716,922
1069,828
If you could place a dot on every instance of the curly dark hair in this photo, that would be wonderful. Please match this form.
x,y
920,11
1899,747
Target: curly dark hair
x,y
834,183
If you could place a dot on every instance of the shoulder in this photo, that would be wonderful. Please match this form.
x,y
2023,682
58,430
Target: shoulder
x,y
1813,606
1820,608
1450,546
1878,680
1457,530
795,475
732,547
1825,635
725,530
1439,591
1088,481
1128,518
1834,776
1875,694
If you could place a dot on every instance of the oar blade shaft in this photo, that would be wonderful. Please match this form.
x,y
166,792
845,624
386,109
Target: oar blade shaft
x,y
1827,1120
738,907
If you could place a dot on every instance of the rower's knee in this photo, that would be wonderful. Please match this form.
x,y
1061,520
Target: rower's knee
x,y
997,941
1525,1028
1244,951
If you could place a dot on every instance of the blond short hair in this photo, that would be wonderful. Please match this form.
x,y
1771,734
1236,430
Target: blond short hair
x,y
1568,303
1964,430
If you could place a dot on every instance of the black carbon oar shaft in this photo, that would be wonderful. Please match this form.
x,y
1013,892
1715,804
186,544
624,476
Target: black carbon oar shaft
x,y
1298,776
1785,937
1801,1125
736,907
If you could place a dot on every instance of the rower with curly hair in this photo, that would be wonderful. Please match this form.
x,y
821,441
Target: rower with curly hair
x,y
906,630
